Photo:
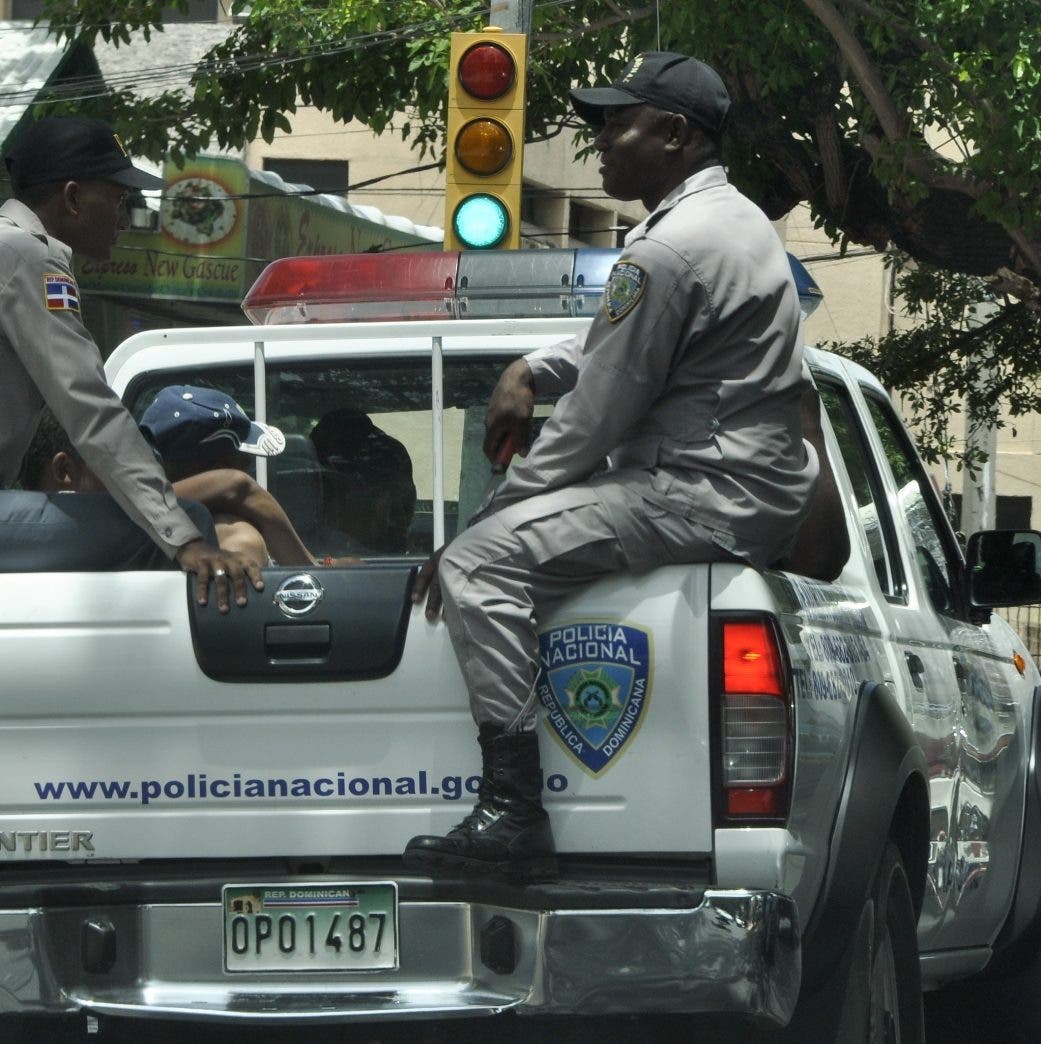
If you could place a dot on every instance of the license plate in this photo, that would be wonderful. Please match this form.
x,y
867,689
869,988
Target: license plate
x,y
310,927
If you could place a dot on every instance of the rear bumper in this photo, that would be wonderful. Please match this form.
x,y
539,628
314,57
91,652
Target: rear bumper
x,y
737,952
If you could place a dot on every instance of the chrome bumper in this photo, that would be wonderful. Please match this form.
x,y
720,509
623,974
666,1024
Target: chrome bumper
x,y
736,952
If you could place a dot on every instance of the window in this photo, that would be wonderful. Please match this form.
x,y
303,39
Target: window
x,y
872,512
935,547
593,225
324,175
356,476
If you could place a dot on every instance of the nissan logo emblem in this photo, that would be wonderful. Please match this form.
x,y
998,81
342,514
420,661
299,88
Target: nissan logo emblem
x,y
297,595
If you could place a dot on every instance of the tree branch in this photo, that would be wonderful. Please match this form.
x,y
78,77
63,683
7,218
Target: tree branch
x,y
622,18
894,122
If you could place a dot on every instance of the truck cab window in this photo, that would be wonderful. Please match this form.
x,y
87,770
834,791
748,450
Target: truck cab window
x,y
873,516
935,546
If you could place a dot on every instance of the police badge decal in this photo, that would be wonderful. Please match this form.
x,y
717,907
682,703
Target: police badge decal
x,y
593,682
625,286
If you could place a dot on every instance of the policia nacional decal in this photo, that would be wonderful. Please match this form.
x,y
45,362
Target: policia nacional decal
x,y
625,286
594,682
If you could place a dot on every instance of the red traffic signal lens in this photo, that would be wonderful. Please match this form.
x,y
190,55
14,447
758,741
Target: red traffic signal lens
x,y
487,71
483,146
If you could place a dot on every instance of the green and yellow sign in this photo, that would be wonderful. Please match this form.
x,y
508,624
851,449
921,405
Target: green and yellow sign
x,y
218,227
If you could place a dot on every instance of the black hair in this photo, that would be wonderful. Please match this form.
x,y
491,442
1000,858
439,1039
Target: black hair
x,y
49,440
34,196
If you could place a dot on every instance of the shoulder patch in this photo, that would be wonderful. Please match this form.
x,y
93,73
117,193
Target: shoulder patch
x,y
60,293
625,286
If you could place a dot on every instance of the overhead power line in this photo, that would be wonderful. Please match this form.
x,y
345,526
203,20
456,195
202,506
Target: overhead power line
x,y
86,88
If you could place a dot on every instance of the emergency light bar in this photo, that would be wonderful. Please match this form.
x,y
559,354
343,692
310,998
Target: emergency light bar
x,y
477,284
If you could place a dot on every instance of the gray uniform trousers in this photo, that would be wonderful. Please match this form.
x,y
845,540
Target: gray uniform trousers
x,y
502,575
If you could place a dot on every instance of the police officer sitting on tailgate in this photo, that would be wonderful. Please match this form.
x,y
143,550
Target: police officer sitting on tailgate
x,y
71,176
679,438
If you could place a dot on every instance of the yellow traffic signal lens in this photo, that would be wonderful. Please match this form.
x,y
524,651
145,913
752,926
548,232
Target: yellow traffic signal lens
x,y
487,71
483,146
481,222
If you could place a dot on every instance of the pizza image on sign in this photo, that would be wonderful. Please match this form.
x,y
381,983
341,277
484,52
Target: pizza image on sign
x,y
198,211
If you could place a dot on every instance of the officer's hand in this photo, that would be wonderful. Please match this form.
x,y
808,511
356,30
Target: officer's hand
x,y
510,408
228,570
428,583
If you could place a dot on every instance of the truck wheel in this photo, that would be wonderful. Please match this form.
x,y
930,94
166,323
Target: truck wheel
x,y
874,994
894,978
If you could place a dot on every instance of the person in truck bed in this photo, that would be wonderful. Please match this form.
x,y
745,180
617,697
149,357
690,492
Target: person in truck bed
x,y
70,176
678,439
369,496
248,518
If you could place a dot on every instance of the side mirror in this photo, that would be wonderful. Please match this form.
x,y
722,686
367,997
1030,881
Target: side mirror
x,y
1004,567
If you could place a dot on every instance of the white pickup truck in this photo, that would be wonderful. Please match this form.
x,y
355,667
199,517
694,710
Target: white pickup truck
x,y
787,799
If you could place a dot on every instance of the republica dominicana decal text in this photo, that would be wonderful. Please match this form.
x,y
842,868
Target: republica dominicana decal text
x,y
594,684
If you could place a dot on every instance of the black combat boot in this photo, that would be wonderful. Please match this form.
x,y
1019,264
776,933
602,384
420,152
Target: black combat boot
x,y
508,832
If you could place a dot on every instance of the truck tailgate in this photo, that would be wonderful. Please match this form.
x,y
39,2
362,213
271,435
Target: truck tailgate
x,y
119,745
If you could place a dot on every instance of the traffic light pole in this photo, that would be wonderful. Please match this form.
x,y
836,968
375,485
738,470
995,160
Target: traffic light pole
x,y
512,16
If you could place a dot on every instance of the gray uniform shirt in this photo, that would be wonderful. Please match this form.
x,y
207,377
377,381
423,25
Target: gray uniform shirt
x,y
689,378
47,356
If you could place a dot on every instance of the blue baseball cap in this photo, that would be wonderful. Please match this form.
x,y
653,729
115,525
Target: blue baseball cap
x,y
186,422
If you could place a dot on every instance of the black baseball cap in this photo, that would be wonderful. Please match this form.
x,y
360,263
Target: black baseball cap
x,y
673,82
73,148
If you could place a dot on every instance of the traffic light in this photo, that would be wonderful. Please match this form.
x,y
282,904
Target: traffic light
x,y
487,71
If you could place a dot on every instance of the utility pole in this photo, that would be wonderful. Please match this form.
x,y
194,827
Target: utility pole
x,y
979,488
512,16
979,492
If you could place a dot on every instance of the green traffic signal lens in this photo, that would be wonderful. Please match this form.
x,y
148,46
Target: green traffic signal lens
x,y
481,221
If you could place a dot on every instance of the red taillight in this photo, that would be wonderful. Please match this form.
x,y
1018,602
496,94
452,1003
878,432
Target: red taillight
x,y
758,803
756,721
751,662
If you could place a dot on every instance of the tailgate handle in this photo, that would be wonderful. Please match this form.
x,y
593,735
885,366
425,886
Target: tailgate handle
x,y
297,641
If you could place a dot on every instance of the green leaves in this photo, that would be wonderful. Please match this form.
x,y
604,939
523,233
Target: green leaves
x,y
969,353
908,122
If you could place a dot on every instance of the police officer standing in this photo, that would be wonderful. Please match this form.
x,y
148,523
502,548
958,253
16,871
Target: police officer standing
x,y
70,177
678,438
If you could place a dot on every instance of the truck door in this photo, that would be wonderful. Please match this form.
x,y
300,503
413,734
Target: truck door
x,y
984,836
921,662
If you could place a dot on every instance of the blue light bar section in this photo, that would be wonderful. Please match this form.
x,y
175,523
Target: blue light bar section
x,y
810,294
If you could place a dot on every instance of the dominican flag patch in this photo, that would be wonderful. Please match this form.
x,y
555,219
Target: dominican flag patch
x,y
60,293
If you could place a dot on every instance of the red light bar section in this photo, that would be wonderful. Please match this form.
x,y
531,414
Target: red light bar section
x,y
751,662
339,288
